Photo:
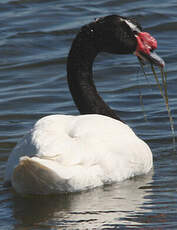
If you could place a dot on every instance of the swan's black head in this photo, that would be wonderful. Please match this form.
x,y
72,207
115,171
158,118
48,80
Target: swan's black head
x,y
121,35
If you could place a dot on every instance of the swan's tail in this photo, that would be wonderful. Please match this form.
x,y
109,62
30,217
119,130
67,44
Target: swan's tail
x,y
33,177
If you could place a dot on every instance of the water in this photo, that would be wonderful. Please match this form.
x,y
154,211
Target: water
x,y
35,39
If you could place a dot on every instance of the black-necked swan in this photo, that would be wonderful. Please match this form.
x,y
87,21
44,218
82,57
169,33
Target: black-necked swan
x,y
64,153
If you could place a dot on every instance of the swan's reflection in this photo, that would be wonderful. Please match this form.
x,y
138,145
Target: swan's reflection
x,y
92,209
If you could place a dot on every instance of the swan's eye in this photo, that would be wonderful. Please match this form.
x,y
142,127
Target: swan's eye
x,y
135,32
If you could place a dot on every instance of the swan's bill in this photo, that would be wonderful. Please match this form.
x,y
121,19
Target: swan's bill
x,y
146,44
152,58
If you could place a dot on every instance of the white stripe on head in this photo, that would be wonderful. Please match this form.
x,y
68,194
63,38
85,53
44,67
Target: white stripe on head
x,y
132,26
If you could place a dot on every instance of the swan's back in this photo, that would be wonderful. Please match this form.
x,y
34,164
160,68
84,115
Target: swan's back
x,y
77,152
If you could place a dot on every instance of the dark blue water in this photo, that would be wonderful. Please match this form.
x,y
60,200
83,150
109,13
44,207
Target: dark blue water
x,y
35,37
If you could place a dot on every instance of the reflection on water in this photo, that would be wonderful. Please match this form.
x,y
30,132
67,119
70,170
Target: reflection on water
x,y
35,39
101,207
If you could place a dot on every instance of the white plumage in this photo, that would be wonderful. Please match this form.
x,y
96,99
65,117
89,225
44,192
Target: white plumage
x,y
71,153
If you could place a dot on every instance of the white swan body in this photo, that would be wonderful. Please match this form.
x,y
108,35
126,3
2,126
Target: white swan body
x,y
72,153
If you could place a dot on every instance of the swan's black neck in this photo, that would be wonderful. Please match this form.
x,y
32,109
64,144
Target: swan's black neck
x,y
80,77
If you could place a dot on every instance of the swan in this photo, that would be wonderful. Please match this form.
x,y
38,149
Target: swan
x,y
64,153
